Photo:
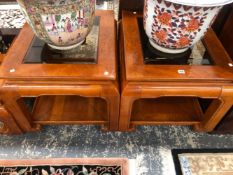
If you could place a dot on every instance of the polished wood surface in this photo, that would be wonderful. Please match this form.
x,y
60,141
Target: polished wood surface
x,y
217,51
175,110
8,123
89,93
2,57
136,70
106,58
65,93
225,126
70,110
143,86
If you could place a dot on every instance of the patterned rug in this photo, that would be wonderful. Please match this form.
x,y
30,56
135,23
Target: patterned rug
x,y
203,162
65,166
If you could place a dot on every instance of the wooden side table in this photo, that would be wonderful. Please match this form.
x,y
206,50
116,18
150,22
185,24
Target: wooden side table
x,y
226,38
62,93
171,94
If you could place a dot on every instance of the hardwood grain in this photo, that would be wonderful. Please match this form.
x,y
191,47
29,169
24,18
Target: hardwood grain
x,y
8,125
158,94
136,70
225,125
70,110
2,57
106,58
65,93
165,110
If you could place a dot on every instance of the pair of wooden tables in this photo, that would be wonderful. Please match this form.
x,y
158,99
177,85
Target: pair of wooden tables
x,y
95,94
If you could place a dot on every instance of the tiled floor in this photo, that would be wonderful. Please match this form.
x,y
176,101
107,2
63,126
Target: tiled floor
x,y
149,145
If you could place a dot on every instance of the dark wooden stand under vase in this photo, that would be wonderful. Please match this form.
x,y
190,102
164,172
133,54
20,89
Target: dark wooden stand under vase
x,y
35,92
187,93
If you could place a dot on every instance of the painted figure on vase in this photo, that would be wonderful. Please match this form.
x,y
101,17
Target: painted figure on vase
x,y
59,22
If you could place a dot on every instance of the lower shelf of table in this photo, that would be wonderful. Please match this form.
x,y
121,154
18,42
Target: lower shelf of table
x,y
69,110
166,110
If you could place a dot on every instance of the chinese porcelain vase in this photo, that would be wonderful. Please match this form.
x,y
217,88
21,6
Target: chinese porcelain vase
x,y
62,24
173,26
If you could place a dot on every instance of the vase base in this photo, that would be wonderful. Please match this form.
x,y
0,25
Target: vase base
x,y
151,55
167,50
66,47
85,53
154,56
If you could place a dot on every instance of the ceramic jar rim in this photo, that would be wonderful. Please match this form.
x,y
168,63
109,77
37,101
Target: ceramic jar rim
x,y
47,4
201,3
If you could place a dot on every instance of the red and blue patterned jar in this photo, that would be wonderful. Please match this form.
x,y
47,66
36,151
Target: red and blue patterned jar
x,y
173,26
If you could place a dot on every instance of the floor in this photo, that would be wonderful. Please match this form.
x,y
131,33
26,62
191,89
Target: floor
x,y
149,145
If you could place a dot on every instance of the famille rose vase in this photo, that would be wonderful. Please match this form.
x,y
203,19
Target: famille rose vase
x,y
62,24
173,26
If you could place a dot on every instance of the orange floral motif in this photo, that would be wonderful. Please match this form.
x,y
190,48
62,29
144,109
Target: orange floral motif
x,y
192,25
183,42
165,18
161,35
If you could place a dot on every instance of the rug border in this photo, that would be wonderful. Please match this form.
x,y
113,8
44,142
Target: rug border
x,y
176,152
124,162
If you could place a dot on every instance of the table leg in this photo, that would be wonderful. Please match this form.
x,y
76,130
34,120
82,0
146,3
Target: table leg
x,y
112,96
15,105
8,124
127,99
216,111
